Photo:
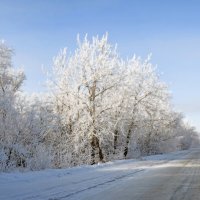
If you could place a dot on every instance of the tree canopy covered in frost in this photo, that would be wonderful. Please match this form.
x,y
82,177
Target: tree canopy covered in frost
x,y
99,107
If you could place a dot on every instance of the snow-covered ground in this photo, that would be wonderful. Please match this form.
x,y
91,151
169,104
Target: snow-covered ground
x,y
79,182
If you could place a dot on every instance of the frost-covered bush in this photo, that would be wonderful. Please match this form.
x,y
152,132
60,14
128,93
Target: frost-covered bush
x,y
41,159
3,160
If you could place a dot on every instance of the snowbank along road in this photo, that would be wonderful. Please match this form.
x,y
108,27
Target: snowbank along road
x,y
163,177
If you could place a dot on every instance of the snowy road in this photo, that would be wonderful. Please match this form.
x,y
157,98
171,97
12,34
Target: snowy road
x,y
176,180
168,177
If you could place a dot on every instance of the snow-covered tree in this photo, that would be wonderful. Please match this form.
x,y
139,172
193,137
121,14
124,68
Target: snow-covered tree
x,y
83,91
10,82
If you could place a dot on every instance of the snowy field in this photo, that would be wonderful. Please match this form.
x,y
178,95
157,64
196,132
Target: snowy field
x,y
79,182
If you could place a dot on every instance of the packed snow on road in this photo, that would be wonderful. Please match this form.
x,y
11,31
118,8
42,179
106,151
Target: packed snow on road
x,y
85,182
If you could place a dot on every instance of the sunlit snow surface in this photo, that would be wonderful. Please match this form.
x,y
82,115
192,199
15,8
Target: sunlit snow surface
x,y
78,182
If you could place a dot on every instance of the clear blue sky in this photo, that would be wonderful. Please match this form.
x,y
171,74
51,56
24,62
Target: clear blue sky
x,y
170,30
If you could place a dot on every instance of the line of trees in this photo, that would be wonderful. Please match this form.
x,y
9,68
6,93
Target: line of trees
x,y
99,107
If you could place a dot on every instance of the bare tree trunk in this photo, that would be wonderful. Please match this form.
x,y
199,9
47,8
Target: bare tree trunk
x,y
127,143
96,148
115,141
95,145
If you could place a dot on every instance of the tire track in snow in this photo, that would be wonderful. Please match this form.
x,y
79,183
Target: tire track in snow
x,y
97,185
